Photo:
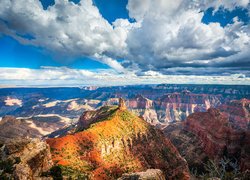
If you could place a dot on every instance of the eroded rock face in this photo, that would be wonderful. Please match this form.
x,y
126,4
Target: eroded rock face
x,y
214,134
178,106
155,174
238,113
26,158
169,108
122,104
188,144
91,117
217,134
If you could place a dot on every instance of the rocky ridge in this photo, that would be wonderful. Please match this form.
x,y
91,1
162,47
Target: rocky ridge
x,y
119,142
24,159
214,134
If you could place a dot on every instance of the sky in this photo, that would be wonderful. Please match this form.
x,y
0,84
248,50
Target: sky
x,y
124,42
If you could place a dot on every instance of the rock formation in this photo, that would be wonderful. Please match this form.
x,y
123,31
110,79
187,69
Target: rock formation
x,y
116,143
122,104
91,117
238,112
169,108
177,106
214,135
23,159
155,174
188,144
144,107
215,131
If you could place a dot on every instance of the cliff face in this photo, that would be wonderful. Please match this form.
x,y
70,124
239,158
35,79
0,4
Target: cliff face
x,y
117,143
188,144
90,117
144,107
177,106
214,134
214,129
170,108
238,112
24,159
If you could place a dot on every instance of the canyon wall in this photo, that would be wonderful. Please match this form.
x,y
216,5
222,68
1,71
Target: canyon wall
x,y
24,159
169,108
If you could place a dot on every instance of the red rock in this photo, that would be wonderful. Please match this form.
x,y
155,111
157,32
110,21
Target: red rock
x,y
219,136
177,106
238,112
116,143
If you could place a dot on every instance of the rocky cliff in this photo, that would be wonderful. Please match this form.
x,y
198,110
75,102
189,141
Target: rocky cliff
x,y
214,135
116,143
24,159
177,106
188,144
169,108
217,134
238,112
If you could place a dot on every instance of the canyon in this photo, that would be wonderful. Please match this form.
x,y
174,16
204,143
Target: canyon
x,y
158,130
158,104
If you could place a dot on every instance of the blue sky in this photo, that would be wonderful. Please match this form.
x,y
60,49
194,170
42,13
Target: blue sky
x,y
129,38
15,54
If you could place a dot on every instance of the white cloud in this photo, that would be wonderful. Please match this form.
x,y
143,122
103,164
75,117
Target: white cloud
x,y
55,76
172,35
168,37
67,29
225,3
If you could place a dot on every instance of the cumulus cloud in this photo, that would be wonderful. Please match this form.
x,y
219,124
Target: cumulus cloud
x,y
172,35
168,36
66,28
62,76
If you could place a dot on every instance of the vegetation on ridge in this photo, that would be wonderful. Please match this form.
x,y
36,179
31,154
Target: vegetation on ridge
x,y
120,143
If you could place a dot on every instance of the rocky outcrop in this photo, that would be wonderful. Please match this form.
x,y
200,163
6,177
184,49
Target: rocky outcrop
x,y
155,174
139,105
120,142
91,117
122,104
215,131
188,144
178,106
238,112
214,134
143,107
24,159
